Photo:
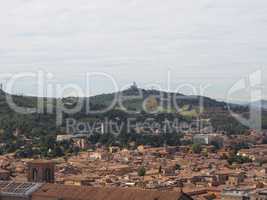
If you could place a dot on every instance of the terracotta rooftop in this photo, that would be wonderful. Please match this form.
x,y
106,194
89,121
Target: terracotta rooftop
x,y
41,161
69,192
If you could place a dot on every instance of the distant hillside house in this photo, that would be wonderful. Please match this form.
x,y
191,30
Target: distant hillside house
x,y
208,139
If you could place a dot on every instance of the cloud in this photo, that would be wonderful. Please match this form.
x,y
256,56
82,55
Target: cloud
x,y
133,38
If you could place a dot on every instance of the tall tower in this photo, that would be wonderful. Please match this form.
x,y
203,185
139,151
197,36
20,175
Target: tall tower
x,y
1,89
41,171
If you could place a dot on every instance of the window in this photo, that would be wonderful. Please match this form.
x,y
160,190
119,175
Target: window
x,y
34,175
48,175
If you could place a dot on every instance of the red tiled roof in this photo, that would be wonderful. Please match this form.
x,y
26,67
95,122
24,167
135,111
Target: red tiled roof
x,y
67,192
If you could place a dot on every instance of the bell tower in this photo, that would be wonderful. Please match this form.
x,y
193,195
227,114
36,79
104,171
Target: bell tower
x,y
41,171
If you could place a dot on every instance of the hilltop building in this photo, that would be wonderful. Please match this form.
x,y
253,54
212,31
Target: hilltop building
x,y
208,139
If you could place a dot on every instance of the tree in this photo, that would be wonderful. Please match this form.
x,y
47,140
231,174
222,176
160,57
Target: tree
x,y
238,159
27,152
216,145
196,148
58,152
142,171
177,167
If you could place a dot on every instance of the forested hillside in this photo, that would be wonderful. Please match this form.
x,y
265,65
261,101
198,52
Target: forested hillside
x,y
41,128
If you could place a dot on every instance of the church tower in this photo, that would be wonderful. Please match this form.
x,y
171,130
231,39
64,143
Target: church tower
x,y
41,171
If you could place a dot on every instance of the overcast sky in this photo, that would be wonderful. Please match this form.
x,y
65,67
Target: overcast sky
x,y
201,42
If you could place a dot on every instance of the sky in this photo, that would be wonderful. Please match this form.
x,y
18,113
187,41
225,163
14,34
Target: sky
x,y
171,44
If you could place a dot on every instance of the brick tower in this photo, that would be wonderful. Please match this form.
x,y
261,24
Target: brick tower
x,y
41,171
